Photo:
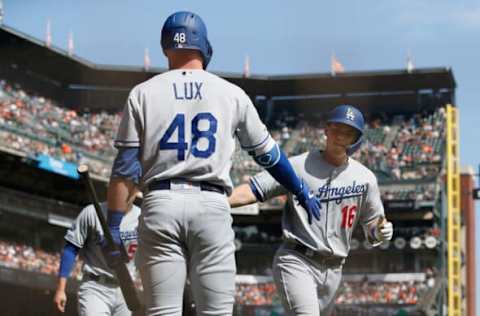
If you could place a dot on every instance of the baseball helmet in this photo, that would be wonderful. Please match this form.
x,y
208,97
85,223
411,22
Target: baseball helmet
x,y
349,115
186,30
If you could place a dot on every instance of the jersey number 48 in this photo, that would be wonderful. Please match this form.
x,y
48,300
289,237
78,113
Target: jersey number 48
x,y
178,126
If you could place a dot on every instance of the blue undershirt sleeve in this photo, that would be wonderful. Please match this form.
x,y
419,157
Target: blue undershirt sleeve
x,y
127,164
67,261
276,163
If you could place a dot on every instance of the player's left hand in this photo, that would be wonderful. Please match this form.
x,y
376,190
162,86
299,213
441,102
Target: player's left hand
x,y
60,300
384,230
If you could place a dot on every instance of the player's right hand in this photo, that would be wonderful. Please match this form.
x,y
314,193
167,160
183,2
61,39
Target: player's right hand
x,y
60,300
309,202
384,230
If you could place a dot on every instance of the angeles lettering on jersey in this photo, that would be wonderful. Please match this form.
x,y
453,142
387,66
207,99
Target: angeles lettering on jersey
x,y
128,235
327,193
191,91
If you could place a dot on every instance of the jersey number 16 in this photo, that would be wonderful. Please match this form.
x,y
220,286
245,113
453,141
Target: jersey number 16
x,y
348,216
178,124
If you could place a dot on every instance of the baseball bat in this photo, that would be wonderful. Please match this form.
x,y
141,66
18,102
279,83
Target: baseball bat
x,y
124,278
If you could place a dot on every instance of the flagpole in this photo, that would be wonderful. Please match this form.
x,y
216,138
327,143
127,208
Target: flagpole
x,y
48,35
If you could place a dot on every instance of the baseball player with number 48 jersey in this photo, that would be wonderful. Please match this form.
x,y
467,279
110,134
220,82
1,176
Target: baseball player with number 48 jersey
x,y
99,292
176,141
307,267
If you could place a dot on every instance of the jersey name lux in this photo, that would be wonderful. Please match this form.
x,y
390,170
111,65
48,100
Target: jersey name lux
x,y
190,91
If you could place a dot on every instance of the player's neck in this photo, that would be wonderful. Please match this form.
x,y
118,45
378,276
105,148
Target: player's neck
x,y
335,158
186,61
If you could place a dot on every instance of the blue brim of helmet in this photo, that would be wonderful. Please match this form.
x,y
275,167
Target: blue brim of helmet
x,y
346,123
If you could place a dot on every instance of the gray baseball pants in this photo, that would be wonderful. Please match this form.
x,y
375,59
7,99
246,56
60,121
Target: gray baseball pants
x,y
186,229
97,299
306,287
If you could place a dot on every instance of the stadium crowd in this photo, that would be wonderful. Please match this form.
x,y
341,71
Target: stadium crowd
x,y
363,292
396,149
421,192
366,292
37,125
256,294
25,257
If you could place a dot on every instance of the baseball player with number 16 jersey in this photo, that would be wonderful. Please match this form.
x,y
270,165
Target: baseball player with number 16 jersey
x,y
307,267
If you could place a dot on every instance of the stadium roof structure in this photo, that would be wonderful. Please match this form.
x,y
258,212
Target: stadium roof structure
x,y
77,82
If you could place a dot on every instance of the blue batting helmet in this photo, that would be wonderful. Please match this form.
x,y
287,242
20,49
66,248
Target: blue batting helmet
x,y
186,30
349,115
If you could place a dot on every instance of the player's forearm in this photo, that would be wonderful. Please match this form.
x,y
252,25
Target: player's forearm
x,y
283,172
242,195
276,163
61,284
119,194
126,174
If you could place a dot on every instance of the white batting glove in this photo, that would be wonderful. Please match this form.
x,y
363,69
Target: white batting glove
x,y
384,231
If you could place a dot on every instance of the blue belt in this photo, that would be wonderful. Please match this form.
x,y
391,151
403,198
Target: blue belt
x,y
204,186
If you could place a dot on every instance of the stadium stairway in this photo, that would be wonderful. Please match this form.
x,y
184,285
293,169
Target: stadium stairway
x,y
427,302
387,142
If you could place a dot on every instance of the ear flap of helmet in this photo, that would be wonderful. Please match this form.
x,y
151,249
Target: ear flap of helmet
x,y
356,146
208,55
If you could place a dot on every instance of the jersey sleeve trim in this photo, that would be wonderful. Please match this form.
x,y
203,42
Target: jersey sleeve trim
x,y
249,148
256,189
73,242
126,143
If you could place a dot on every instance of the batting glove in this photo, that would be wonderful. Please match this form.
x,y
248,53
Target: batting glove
x,y
309,202
384,231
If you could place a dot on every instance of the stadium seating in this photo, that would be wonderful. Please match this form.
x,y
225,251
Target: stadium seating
x,y
403,148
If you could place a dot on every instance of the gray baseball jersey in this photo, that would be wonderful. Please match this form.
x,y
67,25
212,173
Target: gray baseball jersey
x,y
86,233
349,195
185,122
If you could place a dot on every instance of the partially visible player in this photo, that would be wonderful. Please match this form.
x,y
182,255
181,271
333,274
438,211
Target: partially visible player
x,y
99,292
177,135
307,268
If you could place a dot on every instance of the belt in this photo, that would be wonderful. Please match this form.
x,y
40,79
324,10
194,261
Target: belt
x,y
316,256
101,279
167,184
